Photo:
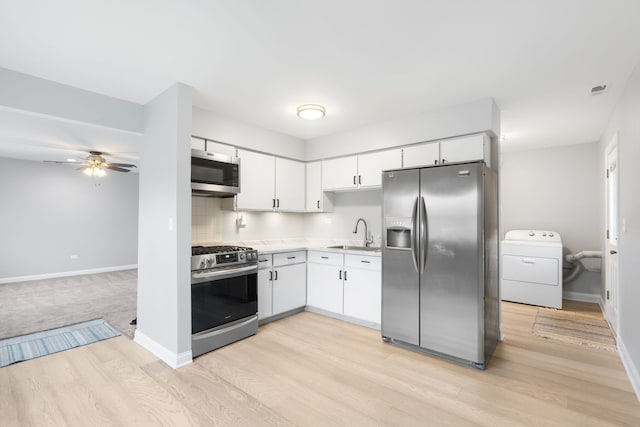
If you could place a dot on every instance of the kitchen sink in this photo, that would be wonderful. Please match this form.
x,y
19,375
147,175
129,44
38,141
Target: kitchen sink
x,y
355,248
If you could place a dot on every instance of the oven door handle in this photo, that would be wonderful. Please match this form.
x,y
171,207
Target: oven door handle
x,y
222,274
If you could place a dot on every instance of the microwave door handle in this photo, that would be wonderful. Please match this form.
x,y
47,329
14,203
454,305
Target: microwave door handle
x,y
222,274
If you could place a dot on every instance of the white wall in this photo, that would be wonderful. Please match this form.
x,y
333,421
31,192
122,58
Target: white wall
x,y
35,95
626,121
164,250
50,212
474,117
557,189
233,132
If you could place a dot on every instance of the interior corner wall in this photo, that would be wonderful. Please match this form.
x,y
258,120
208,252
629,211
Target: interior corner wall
x,y
558,189
625,121
475,117
239,134
57,221
164,291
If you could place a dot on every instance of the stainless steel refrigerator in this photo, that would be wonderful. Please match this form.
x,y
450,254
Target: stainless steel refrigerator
x,y
440,290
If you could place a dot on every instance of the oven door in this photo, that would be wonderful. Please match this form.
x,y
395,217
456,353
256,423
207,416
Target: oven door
x,y
222,296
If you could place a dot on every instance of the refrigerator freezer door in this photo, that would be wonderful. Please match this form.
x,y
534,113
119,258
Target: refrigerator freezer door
x,y
400,278
451,296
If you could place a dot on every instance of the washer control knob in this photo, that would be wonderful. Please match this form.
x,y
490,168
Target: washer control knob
x,y
550,234
531,233
544,234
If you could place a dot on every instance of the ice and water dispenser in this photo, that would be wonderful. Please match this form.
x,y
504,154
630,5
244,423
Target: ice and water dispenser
x,y
398,233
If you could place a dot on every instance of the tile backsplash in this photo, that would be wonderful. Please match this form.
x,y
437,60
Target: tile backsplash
x,y
206,220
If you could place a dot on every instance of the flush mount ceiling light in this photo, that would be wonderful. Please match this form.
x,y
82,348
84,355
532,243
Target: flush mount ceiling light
x,y
311,111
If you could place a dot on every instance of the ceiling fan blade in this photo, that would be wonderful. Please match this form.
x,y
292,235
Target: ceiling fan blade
x,y
115,168
64,163
123,165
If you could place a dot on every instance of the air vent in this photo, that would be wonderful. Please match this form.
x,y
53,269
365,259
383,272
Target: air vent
x,y
597,90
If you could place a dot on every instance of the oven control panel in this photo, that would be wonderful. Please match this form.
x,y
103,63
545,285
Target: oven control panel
x,y
206,261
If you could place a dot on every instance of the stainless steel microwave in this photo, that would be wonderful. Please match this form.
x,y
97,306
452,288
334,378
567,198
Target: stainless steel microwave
x,y
214,175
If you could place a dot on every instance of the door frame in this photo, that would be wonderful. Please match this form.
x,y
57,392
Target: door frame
x,y
611,306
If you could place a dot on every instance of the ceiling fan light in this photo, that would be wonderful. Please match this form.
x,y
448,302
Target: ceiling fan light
x,y
311,111
99,172
88,171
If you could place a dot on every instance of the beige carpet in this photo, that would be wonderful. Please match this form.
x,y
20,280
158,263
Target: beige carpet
x,y
40,305
575,329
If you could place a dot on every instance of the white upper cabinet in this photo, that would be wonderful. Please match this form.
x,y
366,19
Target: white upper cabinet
x,y
340,174
290,185
270,183
465,149
257,180
371,165
421,155
317,200
361,171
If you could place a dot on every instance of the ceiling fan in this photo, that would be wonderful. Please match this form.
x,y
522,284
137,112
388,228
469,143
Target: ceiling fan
x,y
95,164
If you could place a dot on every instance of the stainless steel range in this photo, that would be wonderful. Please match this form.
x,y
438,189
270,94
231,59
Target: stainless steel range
x,y
224,296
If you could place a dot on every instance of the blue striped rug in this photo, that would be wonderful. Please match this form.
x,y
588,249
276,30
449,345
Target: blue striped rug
x,y
25,347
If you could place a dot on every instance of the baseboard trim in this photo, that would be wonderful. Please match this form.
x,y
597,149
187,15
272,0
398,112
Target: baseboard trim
x,y
581,297
67,274
174,360
630,367
342,317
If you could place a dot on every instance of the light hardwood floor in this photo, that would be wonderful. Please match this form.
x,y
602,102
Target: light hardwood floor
x,y
315,371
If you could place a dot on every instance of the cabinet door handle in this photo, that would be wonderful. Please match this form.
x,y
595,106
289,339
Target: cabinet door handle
x,y
263,260
318,204
435,162
340,275
354,180
444,161
274,203
277,203
345,275
360,179
366,262
271,275
276,273
324,257
291,257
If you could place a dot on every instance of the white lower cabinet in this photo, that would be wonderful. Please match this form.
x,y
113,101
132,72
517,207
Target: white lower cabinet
x,y
324,285
289,287
349,285
289,281
362,294
265,294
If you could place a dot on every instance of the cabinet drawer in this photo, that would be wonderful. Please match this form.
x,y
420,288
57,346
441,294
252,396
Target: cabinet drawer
x,y
363,261
530,269
325,258
289,258
265,260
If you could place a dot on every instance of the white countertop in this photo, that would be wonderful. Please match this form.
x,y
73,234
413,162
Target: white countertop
x,y
290,245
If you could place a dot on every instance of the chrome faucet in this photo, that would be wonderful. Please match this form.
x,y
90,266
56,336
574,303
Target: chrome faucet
x,y
367,240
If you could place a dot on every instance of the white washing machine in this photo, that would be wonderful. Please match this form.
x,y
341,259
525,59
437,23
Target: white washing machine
x,y
531,268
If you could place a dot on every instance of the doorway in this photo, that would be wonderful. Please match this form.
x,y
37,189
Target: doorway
x,y
611,246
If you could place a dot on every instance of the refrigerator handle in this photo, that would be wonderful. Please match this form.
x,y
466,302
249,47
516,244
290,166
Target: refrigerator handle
x,y
415,243
424,234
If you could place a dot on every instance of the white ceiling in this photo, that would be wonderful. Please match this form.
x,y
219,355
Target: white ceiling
x,y
365,60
